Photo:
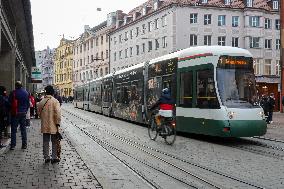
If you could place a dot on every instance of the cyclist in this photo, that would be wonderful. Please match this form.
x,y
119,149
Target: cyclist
x,y
166,106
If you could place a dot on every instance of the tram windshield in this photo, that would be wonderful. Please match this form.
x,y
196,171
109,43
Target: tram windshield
x,y
236,82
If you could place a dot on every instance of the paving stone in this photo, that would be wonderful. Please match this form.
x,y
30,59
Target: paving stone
x,y
26,168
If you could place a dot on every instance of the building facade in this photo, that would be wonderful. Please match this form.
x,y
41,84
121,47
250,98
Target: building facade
x,y
17,54
47,67
160,27
91,54
63,65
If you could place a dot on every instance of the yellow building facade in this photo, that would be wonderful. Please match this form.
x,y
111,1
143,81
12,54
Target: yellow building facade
x,y
63,65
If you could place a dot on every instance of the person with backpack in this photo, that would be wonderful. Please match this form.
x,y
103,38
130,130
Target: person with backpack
x,y
4,115
50,115
20,103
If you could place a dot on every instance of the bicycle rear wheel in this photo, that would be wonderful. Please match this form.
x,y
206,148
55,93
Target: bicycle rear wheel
x,y
171,133
152,129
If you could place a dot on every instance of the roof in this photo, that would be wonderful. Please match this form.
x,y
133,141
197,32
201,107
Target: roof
x,y
214,50
235,4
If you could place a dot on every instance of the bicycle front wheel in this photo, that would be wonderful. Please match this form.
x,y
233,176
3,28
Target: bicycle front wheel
x,y
152,129
171,133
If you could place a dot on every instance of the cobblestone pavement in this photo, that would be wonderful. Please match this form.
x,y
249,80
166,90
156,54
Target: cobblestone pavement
x,y
26,168
276,129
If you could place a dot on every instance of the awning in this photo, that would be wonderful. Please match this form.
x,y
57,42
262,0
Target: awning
x,y
267,79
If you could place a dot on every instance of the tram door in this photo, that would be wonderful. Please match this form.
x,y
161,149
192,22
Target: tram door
x,y
160,75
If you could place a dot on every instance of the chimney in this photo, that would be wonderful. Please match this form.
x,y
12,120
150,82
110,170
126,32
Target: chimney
x,y
86,27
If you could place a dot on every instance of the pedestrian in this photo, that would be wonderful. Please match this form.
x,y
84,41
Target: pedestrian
x,y
4,115
32,107
271,105
58,97
50,115
264,105
19,102
282,102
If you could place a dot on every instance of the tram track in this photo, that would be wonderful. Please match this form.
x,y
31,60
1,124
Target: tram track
x,y
141,146
108,147
273,152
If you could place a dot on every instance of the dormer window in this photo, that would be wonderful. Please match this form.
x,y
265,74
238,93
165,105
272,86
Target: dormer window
x,y
227,2
144,11
156,3
249,3
275,5
204,1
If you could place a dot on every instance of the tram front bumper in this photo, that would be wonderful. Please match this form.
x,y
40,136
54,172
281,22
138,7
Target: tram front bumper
x,y
246,128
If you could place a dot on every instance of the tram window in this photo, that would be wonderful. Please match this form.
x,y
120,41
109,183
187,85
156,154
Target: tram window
x,y
125,95
206,93
186,83
118,94
154,90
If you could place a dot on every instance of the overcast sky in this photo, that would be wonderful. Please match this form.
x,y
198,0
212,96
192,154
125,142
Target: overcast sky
x,y
53,18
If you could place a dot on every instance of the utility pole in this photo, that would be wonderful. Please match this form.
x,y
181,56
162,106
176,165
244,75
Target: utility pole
x,y
281,52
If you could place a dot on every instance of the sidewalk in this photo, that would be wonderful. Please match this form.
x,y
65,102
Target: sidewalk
x,y
276,129
26,168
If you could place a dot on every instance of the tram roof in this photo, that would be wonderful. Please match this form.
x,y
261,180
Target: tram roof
x,y
129,68
214,50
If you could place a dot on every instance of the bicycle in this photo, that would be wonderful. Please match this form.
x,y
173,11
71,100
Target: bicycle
x,y
166,130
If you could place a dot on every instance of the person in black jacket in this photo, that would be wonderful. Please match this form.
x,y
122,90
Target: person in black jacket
x,y
270,105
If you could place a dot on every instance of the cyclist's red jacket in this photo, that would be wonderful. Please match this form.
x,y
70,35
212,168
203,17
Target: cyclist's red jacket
x,y
166,106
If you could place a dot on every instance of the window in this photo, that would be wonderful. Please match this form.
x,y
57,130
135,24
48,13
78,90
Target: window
x,y
92,44
97,41
186,83
131,34
126,36
277,67
193,18
249,3
120,55
106,70
120,38
254,42
150,46
131,51
157,44
164,20
267,23
267,67
267,43
207,40
143,47
221,20
254,21
227,2
277,24
204,1
143,29
156,5
193,40
137,49
235,21
157,23
235,42
164,42
207,19
114,56
137,31
277,44
222,40
149,26
275,5
126,53
106,53
205,90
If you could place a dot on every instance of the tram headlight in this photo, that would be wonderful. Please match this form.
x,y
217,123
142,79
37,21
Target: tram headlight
x,y
262,115
231,115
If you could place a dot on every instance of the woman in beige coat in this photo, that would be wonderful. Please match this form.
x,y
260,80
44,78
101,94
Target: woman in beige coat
x,y
49,111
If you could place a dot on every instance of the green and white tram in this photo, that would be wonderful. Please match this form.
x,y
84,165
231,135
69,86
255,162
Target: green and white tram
x,y
214,88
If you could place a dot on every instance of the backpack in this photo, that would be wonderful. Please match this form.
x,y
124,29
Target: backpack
x,y
3,108
14,105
